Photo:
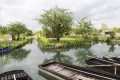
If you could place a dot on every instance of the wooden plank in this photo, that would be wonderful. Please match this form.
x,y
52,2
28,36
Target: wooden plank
x,y
21,75
12,76
24,74
2,78
79,77
105,65
18,75
9,77
5,77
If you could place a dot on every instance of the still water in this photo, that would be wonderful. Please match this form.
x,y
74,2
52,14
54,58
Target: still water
x,y
28,57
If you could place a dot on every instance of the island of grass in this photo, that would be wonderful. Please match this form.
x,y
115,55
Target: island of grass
x,y
69,41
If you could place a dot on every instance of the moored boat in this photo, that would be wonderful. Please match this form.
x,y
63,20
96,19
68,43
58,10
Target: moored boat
x,y
62,71
115,59
5,49
15,75
104,65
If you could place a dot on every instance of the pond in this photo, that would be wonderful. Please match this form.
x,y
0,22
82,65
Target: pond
x,y
28,57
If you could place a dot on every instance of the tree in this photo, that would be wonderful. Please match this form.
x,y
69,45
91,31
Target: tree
x,y
16,28
85,27
3,30
29,32
57,19
112,35
104,26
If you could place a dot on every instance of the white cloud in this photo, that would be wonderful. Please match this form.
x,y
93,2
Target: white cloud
x,y
100,11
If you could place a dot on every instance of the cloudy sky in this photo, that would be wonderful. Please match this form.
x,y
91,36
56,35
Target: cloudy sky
x,y
99,11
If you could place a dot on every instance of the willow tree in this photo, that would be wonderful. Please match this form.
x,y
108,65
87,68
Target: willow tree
x,y
58,20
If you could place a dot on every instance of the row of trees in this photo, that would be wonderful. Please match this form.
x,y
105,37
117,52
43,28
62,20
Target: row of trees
x,y
15,29
59,21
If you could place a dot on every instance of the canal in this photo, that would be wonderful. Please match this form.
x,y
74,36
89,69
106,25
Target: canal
x,y
28,57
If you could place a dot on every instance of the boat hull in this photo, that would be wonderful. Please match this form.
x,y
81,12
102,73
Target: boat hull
x,y
85,73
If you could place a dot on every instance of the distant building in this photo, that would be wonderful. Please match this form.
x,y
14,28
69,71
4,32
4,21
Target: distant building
x,y
105,32
117,34
6,37
9,37
49,35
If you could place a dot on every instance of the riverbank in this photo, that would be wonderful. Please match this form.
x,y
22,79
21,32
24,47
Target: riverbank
x,y
13,44
63,43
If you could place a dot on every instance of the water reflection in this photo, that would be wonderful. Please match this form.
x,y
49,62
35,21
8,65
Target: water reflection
x,y
78,57
83,53
59,56
112,48
16,55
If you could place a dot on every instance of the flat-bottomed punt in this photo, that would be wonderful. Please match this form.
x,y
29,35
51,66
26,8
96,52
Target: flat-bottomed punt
x,y
105,65
115,59
15,75
62,71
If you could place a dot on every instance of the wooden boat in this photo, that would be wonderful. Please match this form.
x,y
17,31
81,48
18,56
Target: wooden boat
x,y
104,65
115,59
5,49
15,75
62,71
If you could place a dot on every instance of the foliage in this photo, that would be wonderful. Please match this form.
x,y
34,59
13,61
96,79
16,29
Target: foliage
x,y
16,28
85,27
112,35
29,32
58,20
104,26
43,41
116,29
3,30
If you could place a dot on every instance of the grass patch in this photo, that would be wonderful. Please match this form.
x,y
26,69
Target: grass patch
x,y
64,42
17,43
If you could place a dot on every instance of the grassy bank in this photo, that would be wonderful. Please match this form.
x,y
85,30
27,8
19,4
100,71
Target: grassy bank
x,y
64,42
14,43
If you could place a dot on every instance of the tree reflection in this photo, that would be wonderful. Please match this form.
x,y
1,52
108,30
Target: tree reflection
x,y
59,56
112,48
83,54
19,54
16,55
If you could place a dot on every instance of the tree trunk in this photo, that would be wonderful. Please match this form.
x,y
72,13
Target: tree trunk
x,y
13,37
18,37
58,38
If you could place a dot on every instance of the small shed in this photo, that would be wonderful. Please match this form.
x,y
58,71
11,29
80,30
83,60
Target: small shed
x,y
49,35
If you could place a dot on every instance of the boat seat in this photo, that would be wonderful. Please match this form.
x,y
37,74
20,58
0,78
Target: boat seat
x,y
80,77
66,72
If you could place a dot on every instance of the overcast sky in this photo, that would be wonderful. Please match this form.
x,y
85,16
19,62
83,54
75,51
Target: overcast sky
x,y
99,11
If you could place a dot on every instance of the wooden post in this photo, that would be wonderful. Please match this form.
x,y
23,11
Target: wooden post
x,y
115,70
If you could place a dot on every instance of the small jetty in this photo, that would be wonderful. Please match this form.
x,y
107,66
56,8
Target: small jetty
x,y
15,75
62,71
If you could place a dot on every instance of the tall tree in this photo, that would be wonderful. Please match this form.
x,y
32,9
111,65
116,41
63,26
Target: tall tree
x,y
59,20
16,28
85,27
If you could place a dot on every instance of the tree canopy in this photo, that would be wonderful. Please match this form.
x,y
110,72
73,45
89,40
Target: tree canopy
x,y
16,28
58,20
85,27
3,30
